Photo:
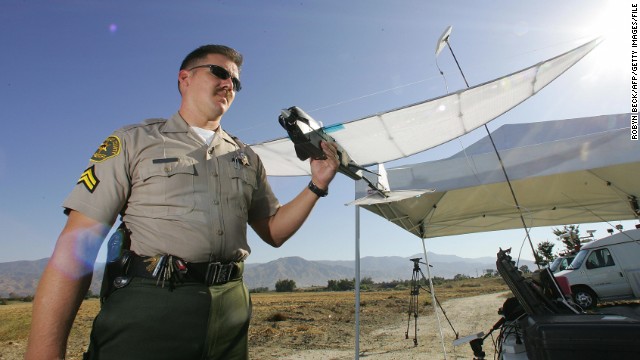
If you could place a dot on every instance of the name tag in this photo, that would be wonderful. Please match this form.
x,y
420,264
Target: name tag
x,y
164,160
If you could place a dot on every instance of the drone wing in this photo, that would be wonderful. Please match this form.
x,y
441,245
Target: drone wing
x,y
415,128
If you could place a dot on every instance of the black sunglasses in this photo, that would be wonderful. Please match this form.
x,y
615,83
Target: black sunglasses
x,y
223,74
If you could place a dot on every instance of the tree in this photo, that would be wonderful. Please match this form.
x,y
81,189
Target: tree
x,y
488,272
570,237
332,285
285,285
525,269
367,280
341,285
544,255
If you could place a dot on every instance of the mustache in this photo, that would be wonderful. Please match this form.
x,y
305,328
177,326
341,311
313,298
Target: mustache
x,y
224,91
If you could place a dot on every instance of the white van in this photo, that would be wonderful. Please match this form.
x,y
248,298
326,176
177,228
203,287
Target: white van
x,y
606,269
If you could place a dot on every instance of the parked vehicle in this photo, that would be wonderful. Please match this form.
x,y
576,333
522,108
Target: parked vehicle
x,y
561,263
606,269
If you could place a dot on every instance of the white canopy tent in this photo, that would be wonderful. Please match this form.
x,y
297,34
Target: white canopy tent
x,y
562,172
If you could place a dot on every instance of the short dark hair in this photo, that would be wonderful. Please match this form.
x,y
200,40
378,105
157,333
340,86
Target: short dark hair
x,y
203,51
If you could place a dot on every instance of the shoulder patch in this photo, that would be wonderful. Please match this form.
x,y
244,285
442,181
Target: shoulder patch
x,y
109,148
89,179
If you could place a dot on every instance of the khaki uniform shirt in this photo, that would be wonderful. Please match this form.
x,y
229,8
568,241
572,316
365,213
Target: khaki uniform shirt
x,y
176,194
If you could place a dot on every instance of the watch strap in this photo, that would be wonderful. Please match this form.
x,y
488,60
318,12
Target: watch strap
x,y
316,190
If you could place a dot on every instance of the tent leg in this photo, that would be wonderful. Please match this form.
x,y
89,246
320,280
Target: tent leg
x,y
357,284
433,299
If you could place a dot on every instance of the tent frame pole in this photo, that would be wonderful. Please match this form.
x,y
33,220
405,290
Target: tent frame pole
x,y
357,284
434,302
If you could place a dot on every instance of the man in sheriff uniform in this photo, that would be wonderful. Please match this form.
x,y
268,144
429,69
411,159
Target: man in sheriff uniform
x,y
185,191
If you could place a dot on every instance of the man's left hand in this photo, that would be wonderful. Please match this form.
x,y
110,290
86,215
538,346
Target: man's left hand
x,y
323,171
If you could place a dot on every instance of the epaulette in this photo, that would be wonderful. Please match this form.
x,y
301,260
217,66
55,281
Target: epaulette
x,y
146,122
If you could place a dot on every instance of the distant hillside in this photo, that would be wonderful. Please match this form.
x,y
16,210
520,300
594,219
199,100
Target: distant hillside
x,y
304,273
20,278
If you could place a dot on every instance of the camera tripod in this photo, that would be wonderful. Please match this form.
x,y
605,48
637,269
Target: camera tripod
x,y
416,276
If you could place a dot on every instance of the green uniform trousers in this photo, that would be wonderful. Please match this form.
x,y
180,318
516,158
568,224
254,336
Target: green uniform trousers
x,y
145,321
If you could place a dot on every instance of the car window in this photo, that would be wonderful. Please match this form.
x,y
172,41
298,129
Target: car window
x,y
555,264
566,262
563,264
600,258
579,259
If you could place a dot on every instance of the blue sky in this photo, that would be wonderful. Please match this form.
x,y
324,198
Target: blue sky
x,y
73,71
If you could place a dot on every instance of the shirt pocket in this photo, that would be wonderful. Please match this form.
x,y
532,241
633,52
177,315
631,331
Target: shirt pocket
x,y
243,184
167,186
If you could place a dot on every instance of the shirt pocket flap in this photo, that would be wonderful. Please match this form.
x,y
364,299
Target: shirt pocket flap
x,y
245,173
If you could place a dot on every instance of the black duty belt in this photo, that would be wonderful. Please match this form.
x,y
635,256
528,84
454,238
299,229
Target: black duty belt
x,y
170,268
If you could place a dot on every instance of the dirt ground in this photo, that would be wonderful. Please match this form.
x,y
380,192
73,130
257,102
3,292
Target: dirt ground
x,y
387,338
321,325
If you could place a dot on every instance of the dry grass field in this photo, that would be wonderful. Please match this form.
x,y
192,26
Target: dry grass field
x,y
319,325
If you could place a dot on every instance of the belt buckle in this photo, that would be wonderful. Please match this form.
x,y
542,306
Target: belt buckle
x,y
218,273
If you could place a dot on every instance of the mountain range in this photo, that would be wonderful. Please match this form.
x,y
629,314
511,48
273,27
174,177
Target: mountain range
x,y
20,278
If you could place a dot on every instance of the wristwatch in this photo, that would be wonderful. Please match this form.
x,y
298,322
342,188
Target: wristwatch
x,y
316,190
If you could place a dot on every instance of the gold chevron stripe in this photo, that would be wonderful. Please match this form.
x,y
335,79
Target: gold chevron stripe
x,y
89,179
